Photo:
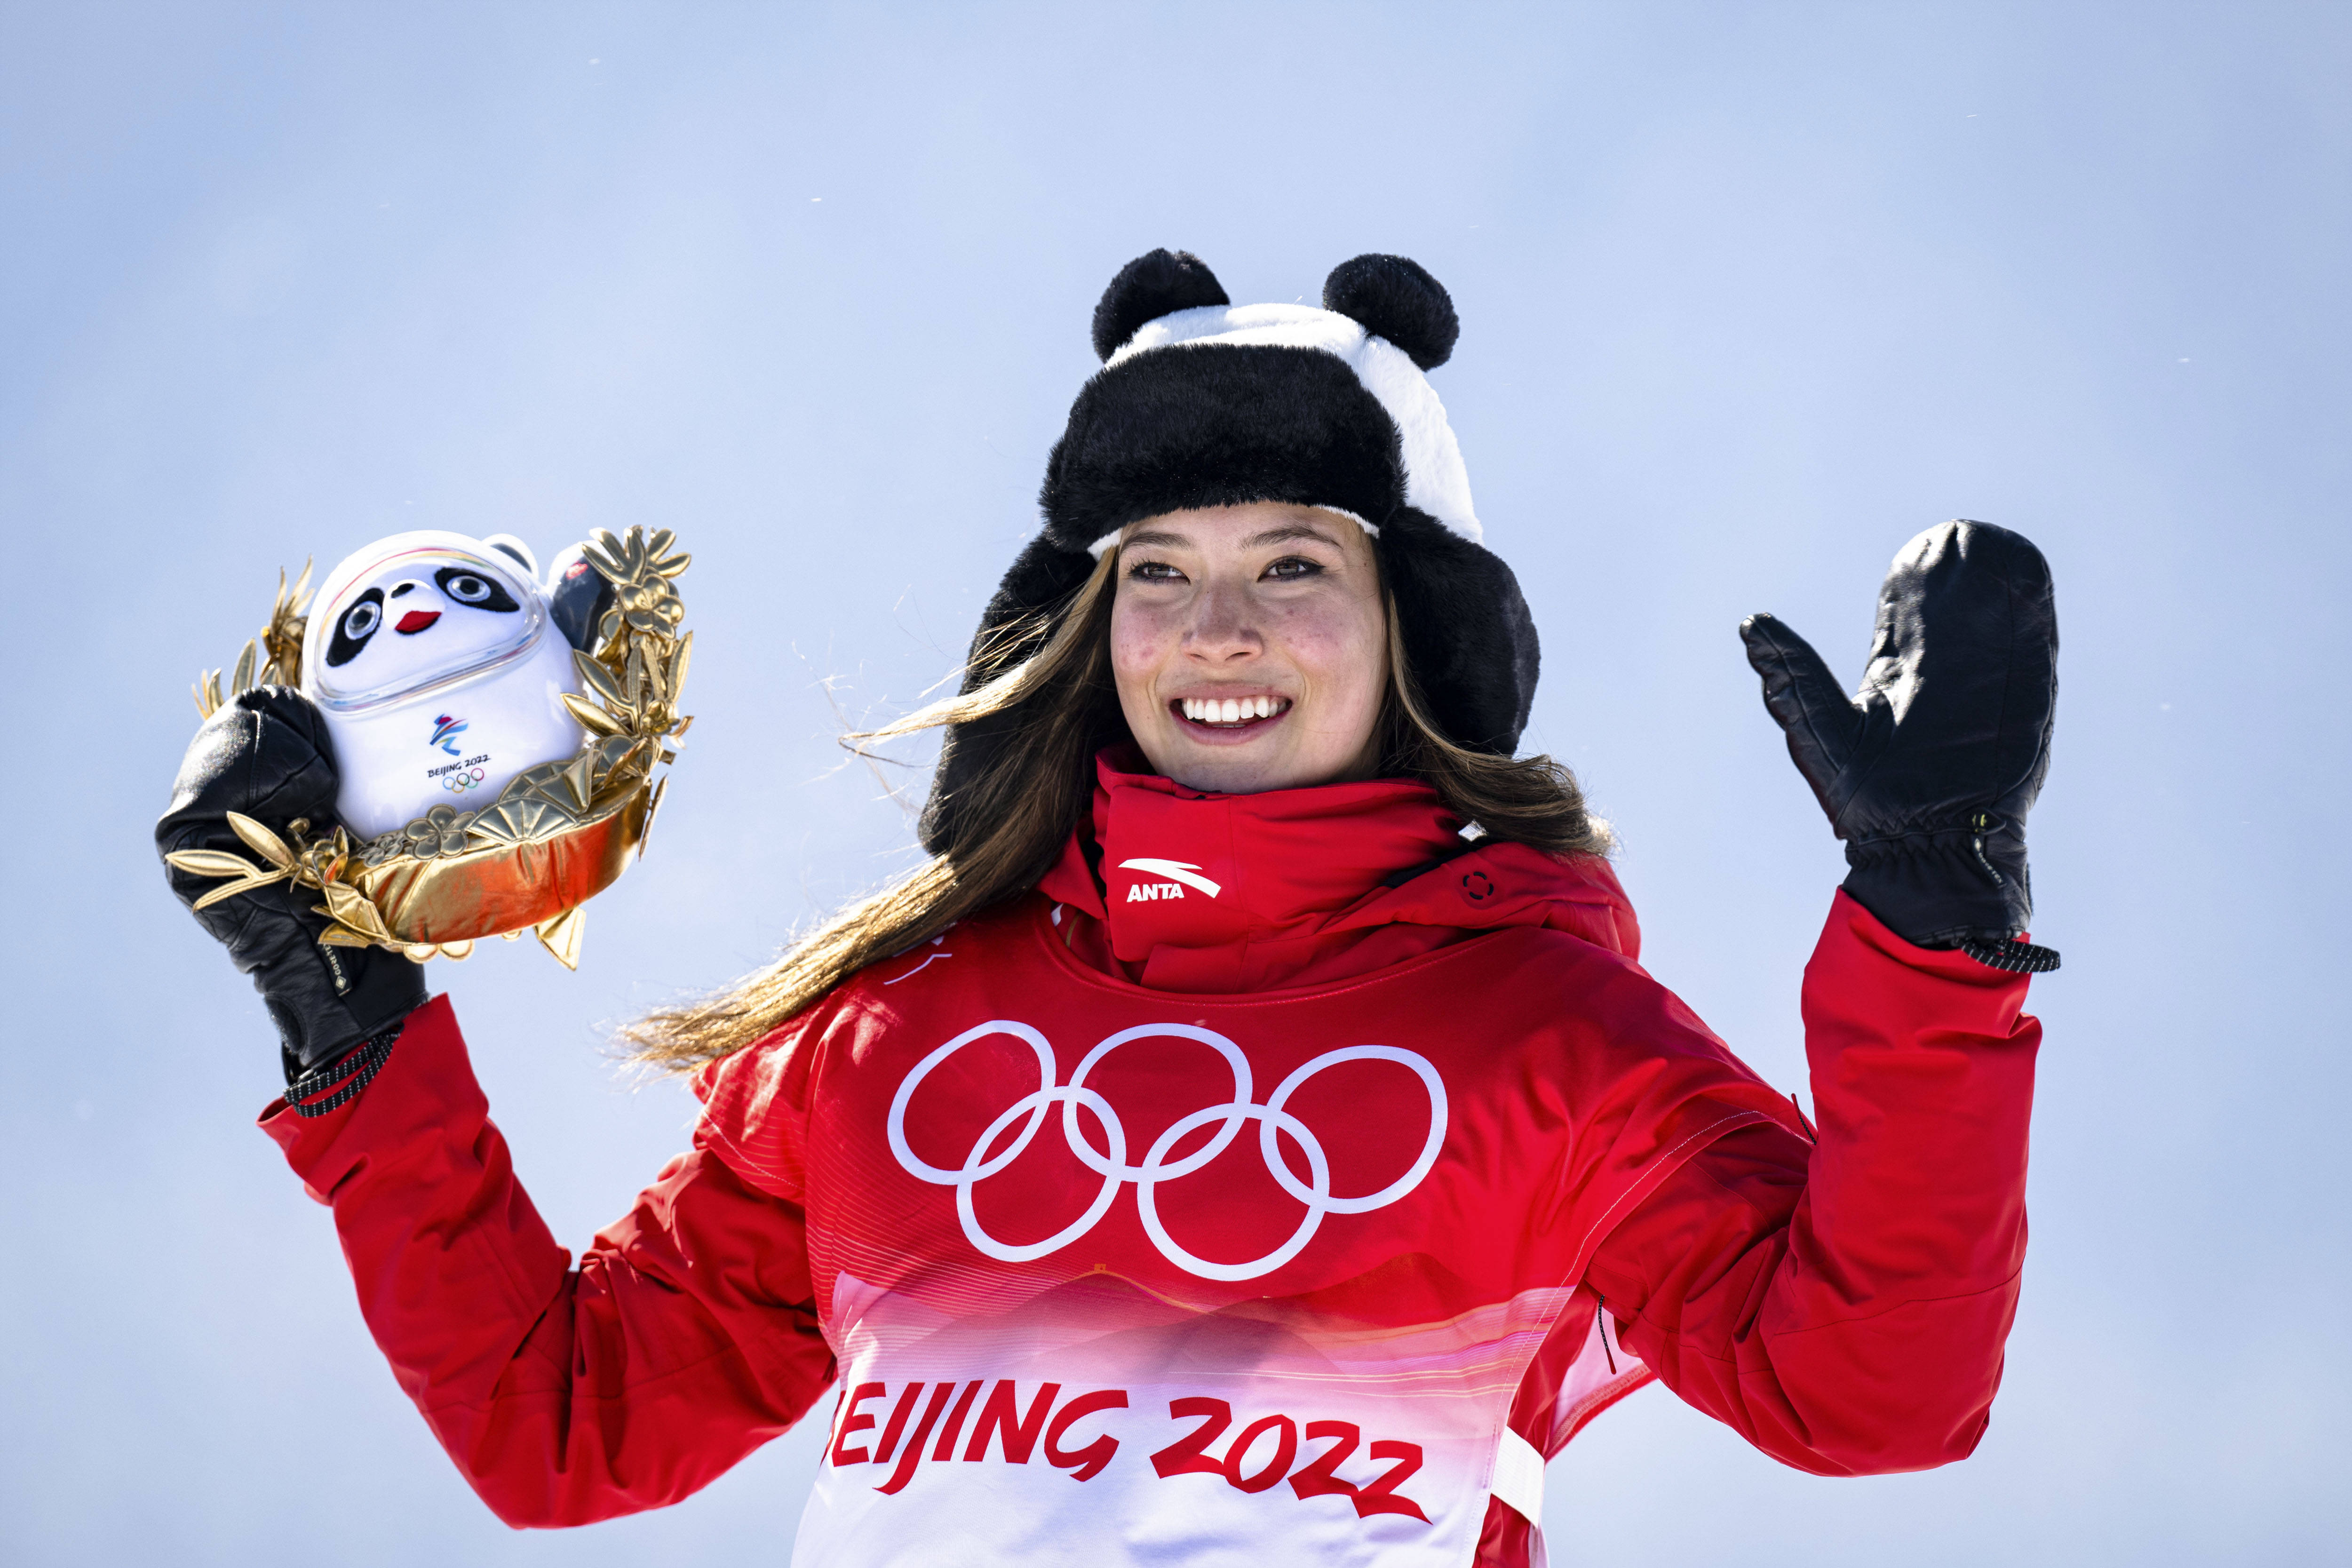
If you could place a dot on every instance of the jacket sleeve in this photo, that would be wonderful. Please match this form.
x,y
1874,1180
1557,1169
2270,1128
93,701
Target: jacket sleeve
x,y
1843,1305
685,1337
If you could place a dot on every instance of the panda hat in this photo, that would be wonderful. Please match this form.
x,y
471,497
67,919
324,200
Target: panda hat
x,y
1202,403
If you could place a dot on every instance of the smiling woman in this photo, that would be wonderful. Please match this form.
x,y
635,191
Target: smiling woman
x,y
1249,643
1252,1133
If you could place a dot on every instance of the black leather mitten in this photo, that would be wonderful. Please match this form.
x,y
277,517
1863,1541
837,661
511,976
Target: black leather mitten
x,y
1927,773
266,753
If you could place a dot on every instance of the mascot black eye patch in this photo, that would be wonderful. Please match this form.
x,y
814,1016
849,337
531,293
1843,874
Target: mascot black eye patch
x,y
355,626
478,589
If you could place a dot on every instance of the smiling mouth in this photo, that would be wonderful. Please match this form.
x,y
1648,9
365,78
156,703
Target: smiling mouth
x,y
1228,713
416,621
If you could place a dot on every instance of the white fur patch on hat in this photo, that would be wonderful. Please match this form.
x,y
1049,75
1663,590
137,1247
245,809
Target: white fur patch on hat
x,y
1436,480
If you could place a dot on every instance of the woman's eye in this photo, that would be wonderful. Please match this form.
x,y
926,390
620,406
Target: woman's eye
x,y
1290,568
361,620
1155,571
468,589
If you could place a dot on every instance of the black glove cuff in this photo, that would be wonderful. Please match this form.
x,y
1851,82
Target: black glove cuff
x,y
327,1001
1965,887
1941,886
340,1080
2013,956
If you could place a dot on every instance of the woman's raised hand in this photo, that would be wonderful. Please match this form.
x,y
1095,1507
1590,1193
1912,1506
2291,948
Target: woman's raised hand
x,y
1928,771
264,754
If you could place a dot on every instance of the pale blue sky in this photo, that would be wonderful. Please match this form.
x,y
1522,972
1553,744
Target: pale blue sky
x,y
1749,294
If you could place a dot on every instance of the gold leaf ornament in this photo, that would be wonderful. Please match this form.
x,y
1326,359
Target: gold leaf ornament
x,y
212,863
351,908
595,719
261,841
561,936
281,640
229,890
598,679
640,568
274,658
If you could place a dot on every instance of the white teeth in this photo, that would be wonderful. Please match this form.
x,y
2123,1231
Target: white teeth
x,y
1230,709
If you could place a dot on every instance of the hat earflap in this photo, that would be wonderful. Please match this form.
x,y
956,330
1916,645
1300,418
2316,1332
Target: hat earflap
x,y
1037,591
1469,637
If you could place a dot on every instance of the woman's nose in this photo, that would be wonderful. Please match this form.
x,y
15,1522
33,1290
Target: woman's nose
x,y
1222,628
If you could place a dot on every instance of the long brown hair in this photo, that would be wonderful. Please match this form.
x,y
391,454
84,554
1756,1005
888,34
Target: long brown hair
x,y
1063,705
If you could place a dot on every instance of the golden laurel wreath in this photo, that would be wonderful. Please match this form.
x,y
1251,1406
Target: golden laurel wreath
x,y
555,836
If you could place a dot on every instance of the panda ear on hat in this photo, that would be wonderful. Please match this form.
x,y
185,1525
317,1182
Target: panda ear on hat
x,y
1158,284
1395,297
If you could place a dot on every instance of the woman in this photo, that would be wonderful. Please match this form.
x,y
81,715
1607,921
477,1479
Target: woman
x,y
1251,1135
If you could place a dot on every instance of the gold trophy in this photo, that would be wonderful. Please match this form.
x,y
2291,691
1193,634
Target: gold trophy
x,y
503,744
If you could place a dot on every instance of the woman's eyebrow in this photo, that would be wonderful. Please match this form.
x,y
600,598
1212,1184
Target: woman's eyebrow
x,y
1286,533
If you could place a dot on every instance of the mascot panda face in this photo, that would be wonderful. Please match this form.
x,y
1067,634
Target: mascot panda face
x,y
418,611
440,669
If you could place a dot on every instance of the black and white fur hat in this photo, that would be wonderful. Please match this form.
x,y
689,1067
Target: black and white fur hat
x,y
1203,403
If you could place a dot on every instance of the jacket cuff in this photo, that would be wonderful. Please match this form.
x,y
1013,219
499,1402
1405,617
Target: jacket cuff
x,y
1852,918
423,1086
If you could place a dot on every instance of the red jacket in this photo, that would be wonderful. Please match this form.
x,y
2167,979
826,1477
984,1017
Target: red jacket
x,y
1254,1187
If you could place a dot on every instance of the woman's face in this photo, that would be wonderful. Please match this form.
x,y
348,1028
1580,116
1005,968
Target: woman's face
x,y
1250,646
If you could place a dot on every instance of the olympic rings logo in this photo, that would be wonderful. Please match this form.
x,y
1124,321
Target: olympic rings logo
x,y
464,779
1274,1122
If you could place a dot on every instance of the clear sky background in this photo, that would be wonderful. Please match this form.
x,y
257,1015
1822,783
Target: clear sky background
x,y
1749,294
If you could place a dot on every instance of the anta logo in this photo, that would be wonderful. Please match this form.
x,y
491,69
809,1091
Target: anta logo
x,y
445,730
1181,874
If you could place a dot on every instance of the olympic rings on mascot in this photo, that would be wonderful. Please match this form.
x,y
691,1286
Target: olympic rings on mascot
x,y
1157,1167
463,779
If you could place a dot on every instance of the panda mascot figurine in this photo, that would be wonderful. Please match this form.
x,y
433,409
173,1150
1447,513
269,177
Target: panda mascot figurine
x,y
500,742
439,665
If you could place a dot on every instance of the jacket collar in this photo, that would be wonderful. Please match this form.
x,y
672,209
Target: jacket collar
x,y
1227,893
